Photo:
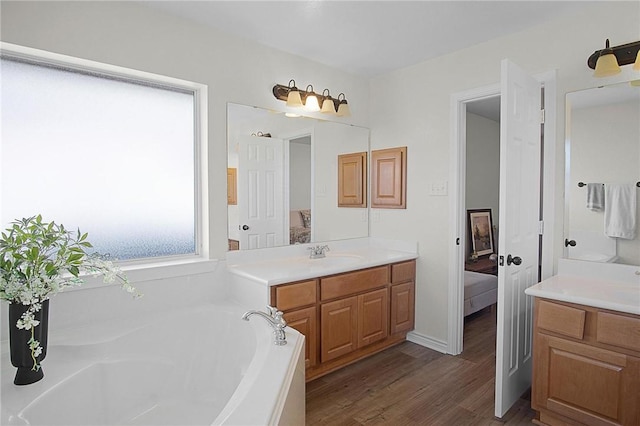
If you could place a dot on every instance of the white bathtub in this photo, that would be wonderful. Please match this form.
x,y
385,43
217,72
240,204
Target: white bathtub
x,y
200,366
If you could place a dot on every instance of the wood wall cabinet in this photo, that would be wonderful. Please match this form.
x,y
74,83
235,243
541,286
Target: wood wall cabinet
x,y
346,317
586,367
389,178
232,186
352,180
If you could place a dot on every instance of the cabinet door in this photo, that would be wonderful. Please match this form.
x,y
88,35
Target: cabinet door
x,y
305,321
590,385
232,186
372,317
339,328
402,307
389,178
352,180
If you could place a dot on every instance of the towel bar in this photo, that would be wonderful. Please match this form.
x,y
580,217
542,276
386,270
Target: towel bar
x,y
581,184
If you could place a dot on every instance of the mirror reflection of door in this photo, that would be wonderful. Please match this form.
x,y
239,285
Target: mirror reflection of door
x,y
300,184
260,192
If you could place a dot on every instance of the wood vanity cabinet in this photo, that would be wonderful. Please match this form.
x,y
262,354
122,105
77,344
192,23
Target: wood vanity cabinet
x,y
346,317
298,302
403,276
586,366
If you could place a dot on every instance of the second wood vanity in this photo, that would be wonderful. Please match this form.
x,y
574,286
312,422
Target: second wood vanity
x,y
586,359
346,317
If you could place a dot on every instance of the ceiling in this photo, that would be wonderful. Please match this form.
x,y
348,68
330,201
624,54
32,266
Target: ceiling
x,y
368,38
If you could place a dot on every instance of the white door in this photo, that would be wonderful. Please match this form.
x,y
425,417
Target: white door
x,y
260,192
520,144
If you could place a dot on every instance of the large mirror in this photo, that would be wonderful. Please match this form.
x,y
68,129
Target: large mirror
x,y
283,179
602,174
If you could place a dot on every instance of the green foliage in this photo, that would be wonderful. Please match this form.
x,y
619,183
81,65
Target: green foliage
x,y
40,258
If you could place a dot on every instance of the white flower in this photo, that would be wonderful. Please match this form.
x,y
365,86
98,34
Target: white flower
x,y
37,351
27,321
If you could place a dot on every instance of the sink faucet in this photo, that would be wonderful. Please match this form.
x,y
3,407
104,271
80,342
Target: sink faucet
x,y
317,252
275,319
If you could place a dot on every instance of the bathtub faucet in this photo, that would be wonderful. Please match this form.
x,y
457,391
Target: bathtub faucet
x,y
274,317
317,252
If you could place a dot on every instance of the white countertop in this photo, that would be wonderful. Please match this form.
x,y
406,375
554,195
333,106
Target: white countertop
x,y
296,268
598,293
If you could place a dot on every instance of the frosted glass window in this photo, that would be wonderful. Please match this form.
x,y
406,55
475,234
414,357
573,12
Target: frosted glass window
x,y
114,158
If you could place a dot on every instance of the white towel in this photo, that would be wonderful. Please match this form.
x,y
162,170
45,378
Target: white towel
x,y
620,211
595,196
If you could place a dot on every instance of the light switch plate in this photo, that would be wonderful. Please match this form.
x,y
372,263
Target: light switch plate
x,y
438,188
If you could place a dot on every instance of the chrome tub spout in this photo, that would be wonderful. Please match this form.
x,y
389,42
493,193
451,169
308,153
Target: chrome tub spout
x,y
275,319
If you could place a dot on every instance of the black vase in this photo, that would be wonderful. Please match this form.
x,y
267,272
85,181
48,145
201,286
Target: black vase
x,y
18,338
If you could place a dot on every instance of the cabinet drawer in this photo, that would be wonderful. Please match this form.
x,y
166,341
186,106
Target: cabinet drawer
x,y
618,330
291,296
405,271
561,319
353,282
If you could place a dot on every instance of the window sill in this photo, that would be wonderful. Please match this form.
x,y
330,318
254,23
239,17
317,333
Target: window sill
x,y
145,272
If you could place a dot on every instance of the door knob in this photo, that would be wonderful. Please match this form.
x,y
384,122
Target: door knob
x,y
515,260
568,243
245,227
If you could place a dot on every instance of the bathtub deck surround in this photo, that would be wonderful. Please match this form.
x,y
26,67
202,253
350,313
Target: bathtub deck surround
x,y
356,301
587,338
218,370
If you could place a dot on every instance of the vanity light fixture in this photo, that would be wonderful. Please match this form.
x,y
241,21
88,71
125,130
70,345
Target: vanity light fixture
x,y
343,107
311,101
328,106
607,62
293,95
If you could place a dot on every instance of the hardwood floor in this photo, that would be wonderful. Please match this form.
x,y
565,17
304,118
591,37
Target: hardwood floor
x,y
412,385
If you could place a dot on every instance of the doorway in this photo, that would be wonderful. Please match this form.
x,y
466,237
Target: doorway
x,y
481,211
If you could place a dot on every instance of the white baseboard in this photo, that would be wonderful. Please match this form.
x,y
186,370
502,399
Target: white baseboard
x,y
427,342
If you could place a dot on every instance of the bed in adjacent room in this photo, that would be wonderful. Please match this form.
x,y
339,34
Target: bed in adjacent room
x,y
480,291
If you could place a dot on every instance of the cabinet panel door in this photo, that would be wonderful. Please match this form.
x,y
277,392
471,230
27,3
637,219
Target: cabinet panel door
x,y
372,317
352,180
402,307
389,178
339,328
305,321
292,296
591,385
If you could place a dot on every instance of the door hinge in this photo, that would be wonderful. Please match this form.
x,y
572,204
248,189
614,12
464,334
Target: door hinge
x,y
542,116
541,227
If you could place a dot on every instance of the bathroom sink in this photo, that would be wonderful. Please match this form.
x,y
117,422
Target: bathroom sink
x,y
595,257
334,260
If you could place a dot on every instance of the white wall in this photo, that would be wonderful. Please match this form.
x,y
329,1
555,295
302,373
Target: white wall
x,y
131,35
300,174
332,222
411,107
483,167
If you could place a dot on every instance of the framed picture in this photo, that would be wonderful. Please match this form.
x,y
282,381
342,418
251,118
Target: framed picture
x,y
481,231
